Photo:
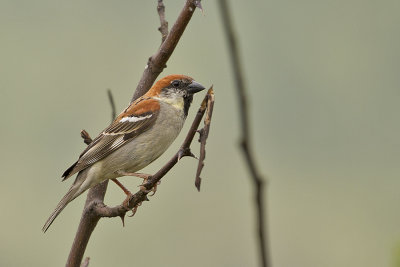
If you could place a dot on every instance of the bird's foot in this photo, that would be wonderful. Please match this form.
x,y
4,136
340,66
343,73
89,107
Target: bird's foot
x,y
144,189
126,205
145,178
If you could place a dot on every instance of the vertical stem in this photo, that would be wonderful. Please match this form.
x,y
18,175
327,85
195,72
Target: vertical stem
x,y
257,180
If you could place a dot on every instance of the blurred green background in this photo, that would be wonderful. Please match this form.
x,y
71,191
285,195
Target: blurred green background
x,y
323,81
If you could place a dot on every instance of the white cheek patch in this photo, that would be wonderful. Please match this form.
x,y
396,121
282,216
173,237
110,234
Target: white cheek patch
x,y
176,101
135,119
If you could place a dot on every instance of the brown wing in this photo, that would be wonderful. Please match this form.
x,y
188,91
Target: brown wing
x,y
129,124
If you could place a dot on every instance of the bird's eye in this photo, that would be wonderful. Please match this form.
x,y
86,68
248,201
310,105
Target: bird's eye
x,y
176,83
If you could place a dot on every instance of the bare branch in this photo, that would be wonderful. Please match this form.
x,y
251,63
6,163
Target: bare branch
x,y
112,103
203,138
164,24
246,137
158,61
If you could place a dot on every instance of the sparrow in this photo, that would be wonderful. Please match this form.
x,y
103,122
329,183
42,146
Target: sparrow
x,y
137,137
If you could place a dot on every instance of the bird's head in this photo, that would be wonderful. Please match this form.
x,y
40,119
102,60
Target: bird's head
x,y
177,90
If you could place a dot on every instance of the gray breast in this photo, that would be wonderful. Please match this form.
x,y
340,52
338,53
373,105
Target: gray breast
x,y
150,145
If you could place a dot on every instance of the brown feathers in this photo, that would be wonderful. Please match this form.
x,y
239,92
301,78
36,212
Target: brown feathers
x,y
165,82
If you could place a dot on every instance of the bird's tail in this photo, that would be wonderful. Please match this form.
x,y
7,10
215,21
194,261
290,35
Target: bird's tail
x,y
76,189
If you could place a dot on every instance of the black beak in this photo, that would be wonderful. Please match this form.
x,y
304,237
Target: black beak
x,y
195,87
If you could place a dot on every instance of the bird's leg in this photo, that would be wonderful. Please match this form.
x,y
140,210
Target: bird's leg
x,y
126,191
154,189
145,178
128,198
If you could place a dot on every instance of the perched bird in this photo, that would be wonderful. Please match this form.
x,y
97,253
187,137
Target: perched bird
x,y
138,136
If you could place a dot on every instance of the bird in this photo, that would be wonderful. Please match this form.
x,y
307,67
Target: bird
x,y
140,134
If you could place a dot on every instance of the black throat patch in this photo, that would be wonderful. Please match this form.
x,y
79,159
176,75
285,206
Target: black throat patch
x,y
187,100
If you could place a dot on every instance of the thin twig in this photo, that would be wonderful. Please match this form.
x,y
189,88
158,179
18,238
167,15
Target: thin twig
x,y
164,24
203,138
155,65
112,103
246,137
